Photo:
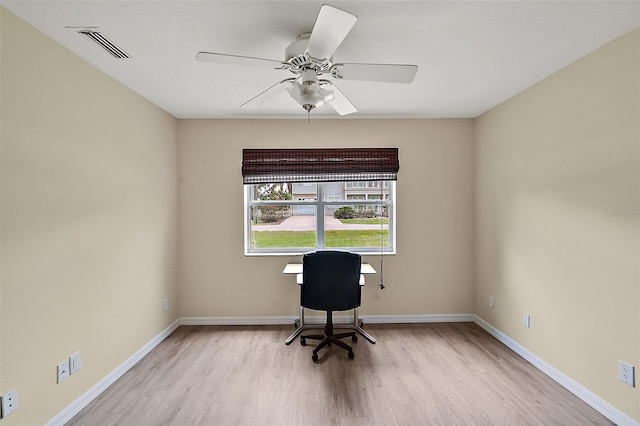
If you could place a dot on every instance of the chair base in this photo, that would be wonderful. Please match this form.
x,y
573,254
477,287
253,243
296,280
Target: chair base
x,y
329,338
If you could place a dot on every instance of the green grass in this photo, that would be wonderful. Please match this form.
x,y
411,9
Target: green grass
x,y
366,221
350,238
333,239
272,239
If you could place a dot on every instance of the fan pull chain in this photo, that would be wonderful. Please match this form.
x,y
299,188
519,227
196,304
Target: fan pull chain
x,y
381,234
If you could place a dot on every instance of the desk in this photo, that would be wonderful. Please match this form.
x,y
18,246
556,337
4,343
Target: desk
x,y
296,269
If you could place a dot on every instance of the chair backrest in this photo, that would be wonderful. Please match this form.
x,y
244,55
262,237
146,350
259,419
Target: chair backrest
x,y
330,280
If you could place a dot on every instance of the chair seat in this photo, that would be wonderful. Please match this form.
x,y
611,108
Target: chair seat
x,y
299,279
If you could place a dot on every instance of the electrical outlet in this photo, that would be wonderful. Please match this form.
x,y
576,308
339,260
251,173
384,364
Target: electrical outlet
x,y
74,363
165,305
491,300
526,320
626,373
63,370
9,402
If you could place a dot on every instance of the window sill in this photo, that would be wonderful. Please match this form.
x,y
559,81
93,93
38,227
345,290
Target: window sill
x,y
300,253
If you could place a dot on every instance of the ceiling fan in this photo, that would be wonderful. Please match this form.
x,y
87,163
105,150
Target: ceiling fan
x,y
310,59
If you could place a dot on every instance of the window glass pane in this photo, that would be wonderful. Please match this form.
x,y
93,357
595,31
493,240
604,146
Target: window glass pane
x,y
378,184
355,184
356,197
333,191
285,217
356,226
283,227
304,191
270,215
272,191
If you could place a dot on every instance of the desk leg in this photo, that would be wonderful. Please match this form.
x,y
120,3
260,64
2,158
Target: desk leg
x,y
357,327
301,327
293,336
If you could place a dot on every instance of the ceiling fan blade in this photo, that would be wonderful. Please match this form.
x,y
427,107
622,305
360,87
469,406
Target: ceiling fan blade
x,y
269,93
390,73
331,27
223,58
341,104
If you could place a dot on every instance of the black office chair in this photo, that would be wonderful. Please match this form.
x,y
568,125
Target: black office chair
x,y
330,282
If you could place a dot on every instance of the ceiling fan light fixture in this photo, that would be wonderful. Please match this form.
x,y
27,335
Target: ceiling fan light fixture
x,y
311,94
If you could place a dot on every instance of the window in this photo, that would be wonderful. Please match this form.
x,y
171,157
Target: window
x,y
300,199
292,218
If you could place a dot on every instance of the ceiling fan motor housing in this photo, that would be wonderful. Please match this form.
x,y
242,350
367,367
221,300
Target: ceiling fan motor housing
x,y
298,47
298,60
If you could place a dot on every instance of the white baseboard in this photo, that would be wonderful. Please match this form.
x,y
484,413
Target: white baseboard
x,y
369,319
414,319
581,392
606,409
84,400
237,320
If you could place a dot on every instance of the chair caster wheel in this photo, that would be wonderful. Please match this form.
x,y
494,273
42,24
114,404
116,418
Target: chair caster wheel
x,y
303,341
314,357
354,338
351,355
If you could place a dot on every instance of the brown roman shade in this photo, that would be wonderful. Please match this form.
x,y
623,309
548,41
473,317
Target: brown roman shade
x,y
319,165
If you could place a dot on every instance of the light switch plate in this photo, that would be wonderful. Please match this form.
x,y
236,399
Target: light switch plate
x,y
63,370
526,320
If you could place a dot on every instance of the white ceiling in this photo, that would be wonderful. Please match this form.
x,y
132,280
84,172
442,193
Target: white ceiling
x,y
472,55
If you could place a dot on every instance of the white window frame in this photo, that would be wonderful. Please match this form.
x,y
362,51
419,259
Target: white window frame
x,y
319,203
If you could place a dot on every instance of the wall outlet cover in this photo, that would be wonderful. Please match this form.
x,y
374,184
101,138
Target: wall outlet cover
x,y
626,373
9,402
74,363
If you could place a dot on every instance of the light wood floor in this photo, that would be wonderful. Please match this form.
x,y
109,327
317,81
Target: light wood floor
x,y
417,374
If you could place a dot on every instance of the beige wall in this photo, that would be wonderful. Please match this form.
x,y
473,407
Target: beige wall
x,y
432,272
557,199
99,204
89,222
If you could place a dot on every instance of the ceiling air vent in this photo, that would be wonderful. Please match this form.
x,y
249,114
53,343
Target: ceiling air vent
x,y
103,41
